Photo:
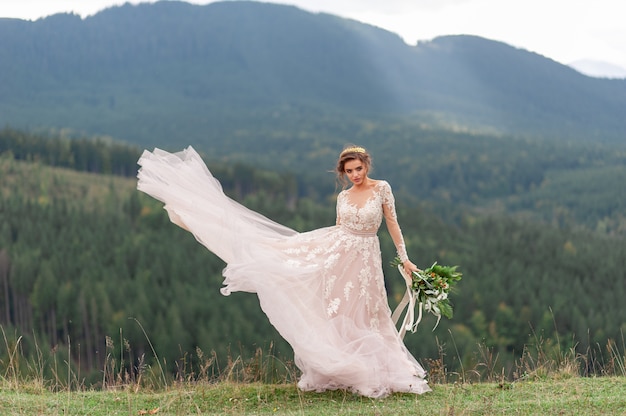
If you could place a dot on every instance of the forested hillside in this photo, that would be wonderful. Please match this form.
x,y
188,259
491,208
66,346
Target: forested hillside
x,y
82,154
84,258
166,72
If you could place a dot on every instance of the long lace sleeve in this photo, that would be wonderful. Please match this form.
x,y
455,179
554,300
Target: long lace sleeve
x,y
338,219
391,219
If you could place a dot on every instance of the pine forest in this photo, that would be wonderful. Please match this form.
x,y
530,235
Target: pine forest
x,y
91,269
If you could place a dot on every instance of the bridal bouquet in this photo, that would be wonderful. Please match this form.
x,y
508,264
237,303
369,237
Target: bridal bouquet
x,y
429,290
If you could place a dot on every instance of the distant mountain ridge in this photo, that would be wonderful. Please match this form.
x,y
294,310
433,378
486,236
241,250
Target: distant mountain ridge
x,y
150,72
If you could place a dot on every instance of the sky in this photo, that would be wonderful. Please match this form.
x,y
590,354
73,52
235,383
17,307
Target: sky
x,y
563,30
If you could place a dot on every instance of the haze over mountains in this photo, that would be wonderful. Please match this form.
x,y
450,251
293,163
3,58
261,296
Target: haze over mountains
x,y
152,72
600,69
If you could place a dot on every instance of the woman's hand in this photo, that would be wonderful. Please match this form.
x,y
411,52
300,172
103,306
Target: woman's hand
x,y
409,268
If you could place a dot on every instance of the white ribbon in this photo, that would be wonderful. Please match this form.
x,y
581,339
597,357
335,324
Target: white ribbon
x,y
409,300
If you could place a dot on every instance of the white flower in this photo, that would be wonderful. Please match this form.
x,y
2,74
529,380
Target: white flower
x,y
333,306
331,261
330,282
374,324
292,263
346,290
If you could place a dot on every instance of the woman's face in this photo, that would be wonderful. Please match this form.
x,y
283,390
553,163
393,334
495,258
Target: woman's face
x,y
356,171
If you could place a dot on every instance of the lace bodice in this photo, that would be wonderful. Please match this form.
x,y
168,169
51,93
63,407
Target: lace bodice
x,y
368,217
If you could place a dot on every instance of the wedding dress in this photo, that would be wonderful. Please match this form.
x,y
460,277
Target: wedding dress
x,y
322,290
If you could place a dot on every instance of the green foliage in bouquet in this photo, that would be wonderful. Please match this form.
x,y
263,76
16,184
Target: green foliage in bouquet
x,y
432,286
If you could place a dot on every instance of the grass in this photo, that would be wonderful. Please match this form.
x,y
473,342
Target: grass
x,y
549,383
43,184
546,380
572,396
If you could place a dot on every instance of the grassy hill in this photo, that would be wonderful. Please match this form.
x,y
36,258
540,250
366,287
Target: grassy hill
x,y
46,185
578,396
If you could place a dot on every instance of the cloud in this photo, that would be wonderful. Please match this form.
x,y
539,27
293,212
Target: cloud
x,y
374,7
35,9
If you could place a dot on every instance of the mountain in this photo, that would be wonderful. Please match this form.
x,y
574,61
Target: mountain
x,y
156,73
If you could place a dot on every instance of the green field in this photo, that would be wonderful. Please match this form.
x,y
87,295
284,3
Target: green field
x,y
568,396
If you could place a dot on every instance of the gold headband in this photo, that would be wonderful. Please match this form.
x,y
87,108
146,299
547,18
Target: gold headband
x,y
352,150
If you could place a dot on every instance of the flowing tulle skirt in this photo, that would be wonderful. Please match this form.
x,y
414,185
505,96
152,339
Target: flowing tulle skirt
x,y
322,290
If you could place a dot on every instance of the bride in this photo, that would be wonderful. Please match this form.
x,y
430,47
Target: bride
x,y
323,290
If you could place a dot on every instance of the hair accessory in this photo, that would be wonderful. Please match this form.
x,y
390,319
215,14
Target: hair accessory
x,y
352,150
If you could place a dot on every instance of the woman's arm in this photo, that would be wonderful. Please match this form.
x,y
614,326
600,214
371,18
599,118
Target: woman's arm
x,y
338,219
391,219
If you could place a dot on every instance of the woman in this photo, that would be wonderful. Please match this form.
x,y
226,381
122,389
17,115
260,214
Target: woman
x,y
323,290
